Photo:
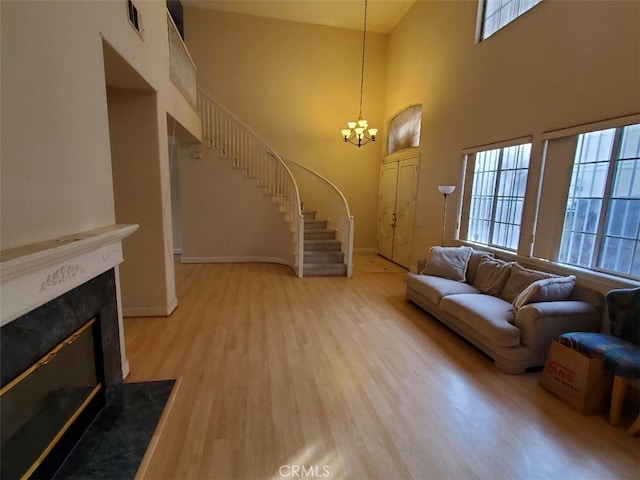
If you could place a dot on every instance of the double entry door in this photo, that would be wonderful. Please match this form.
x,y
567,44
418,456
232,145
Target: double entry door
x,y
396,209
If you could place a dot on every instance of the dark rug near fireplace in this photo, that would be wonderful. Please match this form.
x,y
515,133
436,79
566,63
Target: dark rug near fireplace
x,y
113,448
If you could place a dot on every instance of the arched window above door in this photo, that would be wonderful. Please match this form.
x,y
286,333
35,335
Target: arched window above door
x,y
404,129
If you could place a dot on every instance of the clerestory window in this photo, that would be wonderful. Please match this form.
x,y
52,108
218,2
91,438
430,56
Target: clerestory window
x,y
498,13
404,129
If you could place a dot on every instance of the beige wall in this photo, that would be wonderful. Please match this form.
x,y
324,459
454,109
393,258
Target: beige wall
x,y
56,168
138,194
297,85
56,174
226,216
561,64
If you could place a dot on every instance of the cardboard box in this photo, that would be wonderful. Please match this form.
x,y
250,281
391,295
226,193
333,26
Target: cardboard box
x,y
576,378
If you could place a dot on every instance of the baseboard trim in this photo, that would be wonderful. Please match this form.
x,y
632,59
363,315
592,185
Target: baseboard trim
x,y
281,261
173,304
364,250
125,369
153,311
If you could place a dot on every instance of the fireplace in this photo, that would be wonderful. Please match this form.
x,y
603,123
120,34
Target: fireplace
x,y
41,405
61,358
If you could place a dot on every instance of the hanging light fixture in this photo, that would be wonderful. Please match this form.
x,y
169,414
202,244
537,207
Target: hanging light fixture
x,y
359,132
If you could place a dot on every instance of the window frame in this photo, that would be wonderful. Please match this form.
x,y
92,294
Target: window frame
x,y
549,178
481,19
390,126
613,161
464,213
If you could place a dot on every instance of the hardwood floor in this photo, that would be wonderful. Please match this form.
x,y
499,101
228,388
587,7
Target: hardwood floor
x,y
337,378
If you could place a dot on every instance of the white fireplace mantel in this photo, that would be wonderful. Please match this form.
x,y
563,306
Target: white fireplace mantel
x,y
32,275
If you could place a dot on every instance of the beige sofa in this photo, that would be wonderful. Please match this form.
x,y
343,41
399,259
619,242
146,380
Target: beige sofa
x,y
510,312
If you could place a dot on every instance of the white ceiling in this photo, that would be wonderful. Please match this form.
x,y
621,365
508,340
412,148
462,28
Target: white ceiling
x,y
382,15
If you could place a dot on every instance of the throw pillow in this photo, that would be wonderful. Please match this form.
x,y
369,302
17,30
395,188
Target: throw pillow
x,y
546,290
448,262
474,261
519,279
492,275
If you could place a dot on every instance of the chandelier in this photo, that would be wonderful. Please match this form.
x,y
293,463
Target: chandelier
x,y
359,132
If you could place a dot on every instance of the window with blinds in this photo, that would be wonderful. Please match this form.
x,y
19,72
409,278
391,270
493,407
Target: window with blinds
x,y
498,13
404,129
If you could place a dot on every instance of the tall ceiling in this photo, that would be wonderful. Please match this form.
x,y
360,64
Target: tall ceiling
x,y
382,15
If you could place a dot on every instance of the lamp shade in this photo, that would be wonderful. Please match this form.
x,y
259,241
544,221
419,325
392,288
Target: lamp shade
x,y
446,189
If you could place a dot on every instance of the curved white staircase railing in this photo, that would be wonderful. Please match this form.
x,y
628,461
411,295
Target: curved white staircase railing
x,y
323,197
223,130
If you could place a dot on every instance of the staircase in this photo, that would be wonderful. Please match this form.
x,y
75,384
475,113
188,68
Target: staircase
x,y
224,132
324,248
322,252
314,249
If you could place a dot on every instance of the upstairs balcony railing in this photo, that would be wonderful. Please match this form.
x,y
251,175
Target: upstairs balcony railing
x,y
182,70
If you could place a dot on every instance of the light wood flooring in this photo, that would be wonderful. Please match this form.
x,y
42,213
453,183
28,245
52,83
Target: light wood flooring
x,y
338,378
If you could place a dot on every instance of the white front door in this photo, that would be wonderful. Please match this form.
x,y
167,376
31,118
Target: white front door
x,y
387,208
396,209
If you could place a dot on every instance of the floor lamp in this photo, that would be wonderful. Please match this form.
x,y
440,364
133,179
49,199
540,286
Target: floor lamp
x,y
445,190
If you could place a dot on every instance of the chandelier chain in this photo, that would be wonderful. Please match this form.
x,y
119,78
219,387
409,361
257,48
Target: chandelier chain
x,y
360,132
364,45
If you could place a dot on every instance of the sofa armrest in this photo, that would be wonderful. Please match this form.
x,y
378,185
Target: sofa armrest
x,y
539,323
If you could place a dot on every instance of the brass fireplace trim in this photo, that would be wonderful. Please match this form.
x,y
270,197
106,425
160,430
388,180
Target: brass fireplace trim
x,y
62,431
40,363
47,358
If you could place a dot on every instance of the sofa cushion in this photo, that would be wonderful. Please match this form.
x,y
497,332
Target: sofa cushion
x,y
490,316
474,262
492,275
519,279
434,288
546,290
448,262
